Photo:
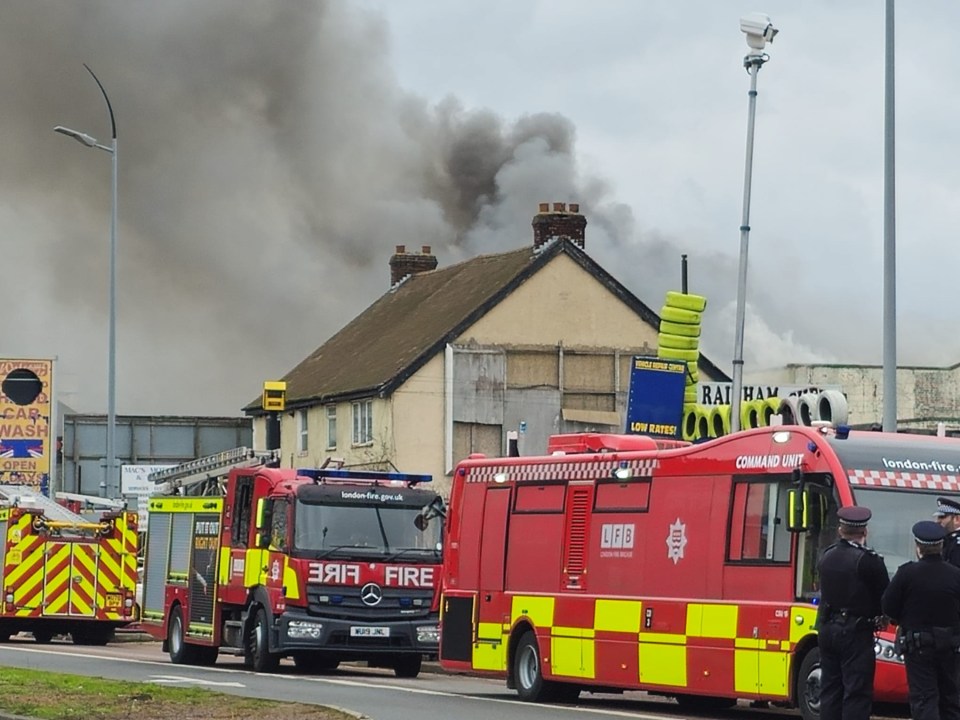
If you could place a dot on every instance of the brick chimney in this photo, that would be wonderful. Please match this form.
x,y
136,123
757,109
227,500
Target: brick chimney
x,y
403,263
564,221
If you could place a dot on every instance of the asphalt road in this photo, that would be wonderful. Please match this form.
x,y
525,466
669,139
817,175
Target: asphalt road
x,y
367,692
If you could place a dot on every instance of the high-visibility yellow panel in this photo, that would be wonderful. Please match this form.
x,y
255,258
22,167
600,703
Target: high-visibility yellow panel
x,y
746,666
749,643
773,673
719,621
490,656
663,664
617,615
290,583
538,608
489,631
572,657
694,618
253,573
807,616
663,638
225,567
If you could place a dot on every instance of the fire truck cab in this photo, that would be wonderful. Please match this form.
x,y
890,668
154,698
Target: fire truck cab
x,y
322,565
619,562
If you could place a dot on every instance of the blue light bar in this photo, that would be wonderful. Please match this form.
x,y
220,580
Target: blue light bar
x,y
318,474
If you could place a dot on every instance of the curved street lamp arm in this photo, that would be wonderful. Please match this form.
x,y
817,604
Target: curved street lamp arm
x,y
113,123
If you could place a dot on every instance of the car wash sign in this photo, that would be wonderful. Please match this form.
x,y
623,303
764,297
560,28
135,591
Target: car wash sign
x,y
25,418
655,402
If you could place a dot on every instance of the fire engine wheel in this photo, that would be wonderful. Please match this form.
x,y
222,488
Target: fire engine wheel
x,y
407,666
808,686
181,652
528,678
261,659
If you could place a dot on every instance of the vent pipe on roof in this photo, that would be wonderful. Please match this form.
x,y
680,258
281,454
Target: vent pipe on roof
x,y
563,221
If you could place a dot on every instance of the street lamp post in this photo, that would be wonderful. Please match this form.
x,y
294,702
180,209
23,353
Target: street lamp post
x,y
759,31
109,484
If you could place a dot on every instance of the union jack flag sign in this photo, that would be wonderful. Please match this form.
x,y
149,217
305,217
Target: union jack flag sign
x,y
32,448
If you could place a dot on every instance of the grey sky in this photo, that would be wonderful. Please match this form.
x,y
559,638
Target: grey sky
x,y
272,154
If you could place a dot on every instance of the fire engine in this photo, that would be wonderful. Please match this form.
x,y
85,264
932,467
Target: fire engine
x,y
322,565
62,572
622,562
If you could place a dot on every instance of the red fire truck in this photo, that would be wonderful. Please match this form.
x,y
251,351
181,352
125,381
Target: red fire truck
x,y
620,562
322,565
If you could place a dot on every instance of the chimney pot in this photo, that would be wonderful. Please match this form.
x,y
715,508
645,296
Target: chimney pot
x,y
401,249
574,207
404,264
559,207
544,207
425,250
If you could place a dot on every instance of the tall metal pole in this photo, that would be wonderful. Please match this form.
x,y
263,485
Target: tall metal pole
x,y
752,62
889,238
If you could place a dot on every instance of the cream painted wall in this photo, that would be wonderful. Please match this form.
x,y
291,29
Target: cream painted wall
x,y
564,303
418,414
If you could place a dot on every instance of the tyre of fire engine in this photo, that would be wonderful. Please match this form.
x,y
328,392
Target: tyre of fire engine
x,y
181,652
679,315
808,685
676,299
832,407
677,341
807,407
261,659
407,666
682,329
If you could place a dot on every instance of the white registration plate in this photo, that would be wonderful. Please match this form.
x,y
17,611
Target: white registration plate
x,y
369,631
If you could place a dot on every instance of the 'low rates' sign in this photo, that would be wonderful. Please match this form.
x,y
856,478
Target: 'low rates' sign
x,y
655,402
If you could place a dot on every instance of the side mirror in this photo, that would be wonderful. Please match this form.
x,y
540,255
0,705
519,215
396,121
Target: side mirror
x,y
798,510
421,522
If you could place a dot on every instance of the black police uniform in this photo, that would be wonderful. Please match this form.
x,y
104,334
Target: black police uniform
x,y
951,543
924,600
852,580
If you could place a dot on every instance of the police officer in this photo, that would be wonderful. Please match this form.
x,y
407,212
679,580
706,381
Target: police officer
x,y
852,580
948,515
924,600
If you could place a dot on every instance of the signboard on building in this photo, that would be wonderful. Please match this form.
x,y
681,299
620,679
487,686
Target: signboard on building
x,y
135,485
655,402
719,393
26,389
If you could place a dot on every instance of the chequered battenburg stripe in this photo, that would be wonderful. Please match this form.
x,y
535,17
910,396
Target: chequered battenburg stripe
x,y
900,479
561,470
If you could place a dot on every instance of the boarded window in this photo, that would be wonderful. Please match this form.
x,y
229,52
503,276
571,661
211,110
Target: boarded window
x,y
476,438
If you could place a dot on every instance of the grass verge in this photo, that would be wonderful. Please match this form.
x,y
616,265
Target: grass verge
x,y
52,696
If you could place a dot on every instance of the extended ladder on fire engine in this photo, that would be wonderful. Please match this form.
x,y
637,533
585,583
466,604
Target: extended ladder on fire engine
x,y
212,468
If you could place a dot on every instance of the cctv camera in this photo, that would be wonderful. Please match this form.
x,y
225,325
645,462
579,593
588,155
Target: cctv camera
x,y
758,28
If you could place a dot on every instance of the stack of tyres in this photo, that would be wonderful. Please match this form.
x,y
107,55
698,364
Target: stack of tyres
x,y
679,337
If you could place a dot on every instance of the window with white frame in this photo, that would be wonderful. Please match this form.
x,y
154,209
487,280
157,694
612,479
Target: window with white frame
x,y
303,431
363,422
331,427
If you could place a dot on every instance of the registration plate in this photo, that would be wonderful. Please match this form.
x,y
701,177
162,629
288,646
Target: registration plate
x,y
365,631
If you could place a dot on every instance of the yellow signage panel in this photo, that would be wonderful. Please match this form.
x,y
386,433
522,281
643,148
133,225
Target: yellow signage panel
x,y
25,418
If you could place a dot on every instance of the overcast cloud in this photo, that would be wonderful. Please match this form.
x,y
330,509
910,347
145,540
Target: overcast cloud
x,y
272,154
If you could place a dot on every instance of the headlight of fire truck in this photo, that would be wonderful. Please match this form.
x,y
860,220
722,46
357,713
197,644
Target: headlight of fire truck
x,y
428,634
884,650
304,629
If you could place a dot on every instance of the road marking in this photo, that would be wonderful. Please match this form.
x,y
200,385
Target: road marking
x,y
176,679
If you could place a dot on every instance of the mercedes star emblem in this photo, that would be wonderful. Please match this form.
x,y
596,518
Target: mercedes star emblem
x,y
371,594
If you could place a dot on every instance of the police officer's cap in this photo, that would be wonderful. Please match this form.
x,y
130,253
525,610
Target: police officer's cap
x,y
855,516
947,506
928,532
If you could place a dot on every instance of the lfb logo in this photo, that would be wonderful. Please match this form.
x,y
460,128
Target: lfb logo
x,y
676,541
616,536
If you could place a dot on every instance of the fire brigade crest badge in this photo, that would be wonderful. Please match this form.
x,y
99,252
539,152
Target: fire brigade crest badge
x,y
676,541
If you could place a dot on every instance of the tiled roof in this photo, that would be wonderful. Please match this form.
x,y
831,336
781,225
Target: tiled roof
x,y
393,338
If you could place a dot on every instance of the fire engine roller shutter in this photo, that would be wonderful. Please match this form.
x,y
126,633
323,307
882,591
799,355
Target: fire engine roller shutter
x,y
203,569
158,547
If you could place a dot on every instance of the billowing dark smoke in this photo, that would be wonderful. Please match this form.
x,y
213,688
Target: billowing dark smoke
x,y
268,165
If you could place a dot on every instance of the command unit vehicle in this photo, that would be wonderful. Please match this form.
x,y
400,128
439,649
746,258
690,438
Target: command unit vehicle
x,y
62,572
322,565
624,562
